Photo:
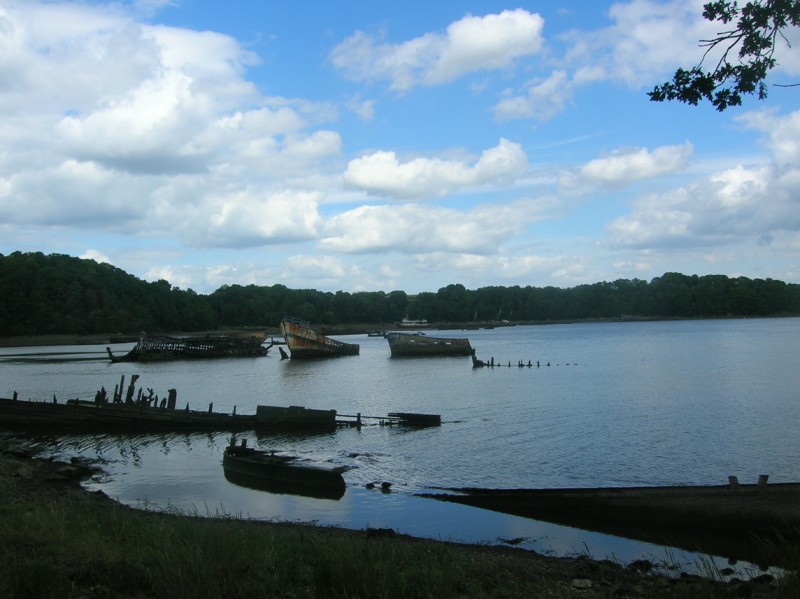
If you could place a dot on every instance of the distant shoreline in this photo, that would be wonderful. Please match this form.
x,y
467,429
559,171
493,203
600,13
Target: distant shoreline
x,y
340,329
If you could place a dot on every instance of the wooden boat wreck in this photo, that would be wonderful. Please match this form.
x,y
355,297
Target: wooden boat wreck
x,y
136,411
275,473
129,410
304,342
80,415
405,344
295,417
415,420
733,520
149,349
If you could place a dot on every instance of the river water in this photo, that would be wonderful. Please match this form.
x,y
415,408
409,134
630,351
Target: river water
x,y
622,404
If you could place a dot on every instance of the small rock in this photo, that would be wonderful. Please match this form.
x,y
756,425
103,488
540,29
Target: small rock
x,y
581,584
641,565
381,532
763,578
25,472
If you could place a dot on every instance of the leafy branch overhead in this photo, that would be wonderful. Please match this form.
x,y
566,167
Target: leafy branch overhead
x,y
747,54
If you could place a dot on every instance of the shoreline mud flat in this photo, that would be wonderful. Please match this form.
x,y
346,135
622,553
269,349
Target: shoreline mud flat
x,y
740,522
27,479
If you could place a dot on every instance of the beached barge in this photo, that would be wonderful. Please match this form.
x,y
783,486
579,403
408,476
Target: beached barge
x,y
733,520
149,349
407,344
304,342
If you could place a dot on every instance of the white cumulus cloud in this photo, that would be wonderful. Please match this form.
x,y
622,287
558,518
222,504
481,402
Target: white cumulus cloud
x,y
418,229
471,44
622,167
383,174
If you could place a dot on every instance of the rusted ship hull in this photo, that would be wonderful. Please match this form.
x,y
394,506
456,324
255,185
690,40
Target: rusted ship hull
x,y
404,344
304,342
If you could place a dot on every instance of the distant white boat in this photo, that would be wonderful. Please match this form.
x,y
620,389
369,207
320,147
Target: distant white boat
x,y
408,323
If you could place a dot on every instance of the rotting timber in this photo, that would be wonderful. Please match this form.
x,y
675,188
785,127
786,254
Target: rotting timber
x,y
76,415
130,410
149,349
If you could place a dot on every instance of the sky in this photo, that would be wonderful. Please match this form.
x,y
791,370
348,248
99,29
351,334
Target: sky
x,y
374,146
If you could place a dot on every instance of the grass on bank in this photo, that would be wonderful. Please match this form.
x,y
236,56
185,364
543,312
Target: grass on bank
x,y
54,551
77,550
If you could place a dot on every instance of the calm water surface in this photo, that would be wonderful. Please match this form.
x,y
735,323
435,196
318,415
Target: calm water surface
x,y
686,402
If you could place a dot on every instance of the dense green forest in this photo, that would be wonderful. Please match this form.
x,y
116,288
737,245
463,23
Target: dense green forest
x,y
62,295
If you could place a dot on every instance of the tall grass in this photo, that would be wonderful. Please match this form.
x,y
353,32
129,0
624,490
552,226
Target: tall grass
x,y
57,551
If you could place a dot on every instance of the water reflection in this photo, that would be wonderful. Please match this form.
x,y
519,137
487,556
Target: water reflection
x,y
284,487
49,358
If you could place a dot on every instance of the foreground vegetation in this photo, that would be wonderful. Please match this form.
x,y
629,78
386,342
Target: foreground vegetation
x,y
62,295
57,550
57,540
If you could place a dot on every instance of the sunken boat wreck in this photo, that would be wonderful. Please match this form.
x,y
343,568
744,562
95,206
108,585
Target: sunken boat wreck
x,y
130,410
268,471
305,342
78,415
735,520
149,349
409,344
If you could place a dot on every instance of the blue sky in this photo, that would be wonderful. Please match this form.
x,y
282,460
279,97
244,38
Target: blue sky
x,y
375,146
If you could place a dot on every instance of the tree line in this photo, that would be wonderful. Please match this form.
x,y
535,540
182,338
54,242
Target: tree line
x,y
58,294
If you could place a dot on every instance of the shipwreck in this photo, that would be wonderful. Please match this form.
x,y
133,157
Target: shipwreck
x,y
149,349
